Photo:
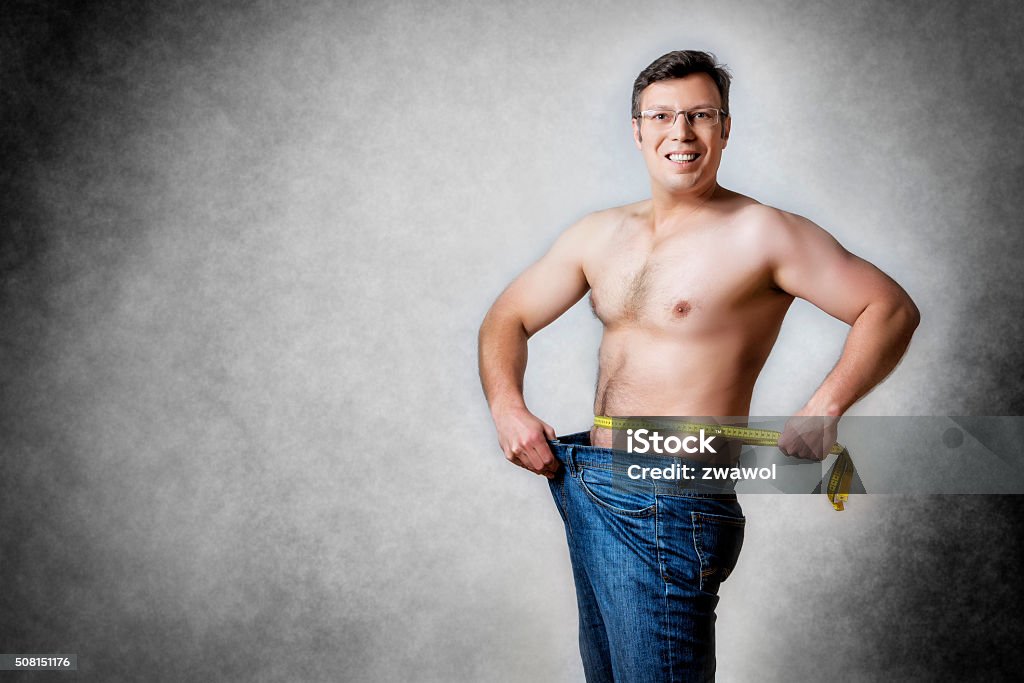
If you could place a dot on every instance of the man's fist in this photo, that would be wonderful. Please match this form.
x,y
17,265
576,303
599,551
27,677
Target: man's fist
x,y
809,436
524,439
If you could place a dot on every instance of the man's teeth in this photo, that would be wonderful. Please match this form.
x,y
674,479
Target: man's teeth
x,y
682,157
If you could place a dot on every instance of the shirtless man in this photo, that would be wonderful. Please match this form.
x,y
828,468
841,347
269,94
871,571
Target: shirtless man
x,y
692,286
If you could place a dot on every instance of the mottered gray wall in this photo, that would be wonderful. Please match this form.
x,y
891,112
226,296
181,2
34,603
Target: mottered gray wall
x,y
245,250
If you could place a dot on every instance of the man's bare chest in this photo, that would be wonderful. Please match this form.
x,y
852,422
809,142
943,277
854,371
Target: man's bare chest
x,y
695,281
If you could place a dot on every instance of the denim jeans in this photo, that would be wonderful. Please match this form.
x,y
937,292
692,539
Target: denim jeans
x,y
647,558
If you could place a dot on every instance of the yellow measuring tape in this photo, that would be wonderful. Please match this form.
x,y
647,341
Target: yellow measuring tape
x,y
838,490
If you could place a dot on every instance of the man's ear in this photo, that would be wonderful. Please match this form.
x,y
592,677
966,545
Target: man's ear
x,y
726,129
636,134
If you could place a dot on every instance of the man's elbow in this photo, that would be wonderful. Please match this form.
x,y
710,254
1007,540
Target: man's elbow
x,y
914,315
904,316
897,314
908,312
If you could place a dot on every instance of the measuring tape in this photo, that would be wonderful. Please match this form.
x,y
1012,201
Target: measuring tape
x,y
839,481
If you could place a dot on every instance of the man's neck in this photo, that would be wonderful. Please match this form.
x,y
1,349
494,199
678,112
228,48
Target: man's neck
x,y
667,208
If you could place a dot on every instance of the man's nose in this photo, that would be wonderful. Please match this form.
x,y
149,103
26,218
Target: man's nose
x,y
681,128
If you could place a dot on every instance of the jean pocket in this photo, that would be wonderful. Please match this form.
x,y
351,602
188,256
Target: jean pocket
x,y
621,497
718,540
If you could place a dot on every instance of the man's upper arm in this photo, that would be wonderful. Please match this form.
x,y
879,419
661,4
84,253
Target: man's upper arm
x,y
809,263
553,284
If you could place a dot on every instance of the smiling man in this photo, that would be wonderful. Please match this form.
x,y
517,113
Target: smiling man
x,y
692,286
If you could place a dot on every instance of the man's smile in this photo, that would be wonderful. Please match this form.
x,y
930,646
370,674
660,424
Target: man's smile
x,y
682,158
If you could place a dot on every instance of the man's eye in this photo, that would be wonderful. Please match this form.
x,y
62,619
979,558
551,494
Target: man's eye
x,y
699,115
660,117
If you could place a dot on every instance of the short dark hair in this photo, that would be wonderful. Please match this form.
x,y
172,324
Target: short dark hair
x,y
683,63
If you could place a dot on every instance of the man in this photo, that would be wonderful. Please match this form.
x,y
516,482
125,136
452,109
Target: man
x,y
692,286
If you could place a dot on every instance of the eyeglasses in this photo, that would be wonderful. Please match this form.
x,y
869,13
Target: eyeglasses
x,y
663,119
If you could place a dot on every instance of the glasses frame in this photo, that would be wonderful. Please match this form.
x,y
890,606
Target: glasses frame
x,y
722,114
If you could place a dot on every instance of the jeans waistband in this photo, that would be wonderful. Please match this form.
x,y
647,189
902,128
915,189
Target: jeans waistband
x,y
575,452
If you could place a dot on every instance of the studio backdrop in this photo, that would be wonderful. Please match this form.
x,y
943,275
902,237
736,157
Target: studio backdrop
x,y
246,248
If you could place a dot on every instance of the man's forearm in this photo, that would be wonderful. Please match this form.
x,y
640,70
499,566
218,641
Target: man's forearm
x,y
876,343
502,357
522,436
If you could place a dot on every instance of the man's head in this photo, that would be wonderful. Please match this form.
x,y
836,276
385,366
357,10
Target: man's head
x,y
679,64
680,119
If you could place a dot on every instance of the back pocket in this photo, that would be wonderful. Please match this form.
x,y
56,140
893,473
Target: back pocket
x,y
718,540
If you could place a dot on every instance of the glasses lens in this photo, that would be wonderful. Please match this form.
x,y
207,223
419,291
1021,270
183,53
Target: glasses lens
x,y
702,117
659,118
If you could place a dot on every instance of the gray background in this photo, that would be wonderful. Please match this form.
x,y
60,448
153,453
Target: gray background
x,y
245,253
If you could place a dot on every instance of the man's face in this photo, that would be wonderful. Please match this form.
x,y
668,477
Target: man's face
x,y
690,92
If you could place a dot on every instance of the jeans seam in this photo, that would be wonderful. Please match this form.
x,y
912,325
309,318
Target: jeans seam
x,y
695,518
668,655
567,475
564,502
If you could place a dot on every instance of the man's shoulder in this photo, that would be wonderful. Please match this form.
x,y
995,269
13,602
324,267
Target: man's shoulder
x,y
747,210
767,221
772,232
783,237
606,221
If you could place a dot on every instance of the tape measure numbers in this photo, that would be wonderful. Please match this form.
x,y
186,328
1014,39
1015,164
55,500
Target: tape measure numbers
x,y
838,483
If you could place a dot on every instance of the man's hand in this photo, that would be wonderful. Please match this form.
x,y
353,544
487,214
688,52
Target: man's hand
x,y
809,436
524,439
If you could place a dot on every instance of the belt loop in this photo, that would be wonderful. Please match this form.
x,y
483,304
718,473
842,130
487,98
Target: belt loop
x,y
570,459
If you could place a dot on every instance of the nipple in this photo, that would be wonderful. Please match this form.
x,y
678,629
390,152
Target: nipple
x,y
681,309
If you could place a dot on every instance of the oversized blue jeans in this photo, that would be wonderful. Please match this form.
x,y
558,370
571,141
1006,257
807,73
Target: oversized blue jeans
x,y
647,558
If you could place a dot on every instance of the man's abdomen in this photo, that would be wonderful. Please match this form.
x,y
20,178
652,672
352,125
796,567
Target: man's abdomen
x,y
643,373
